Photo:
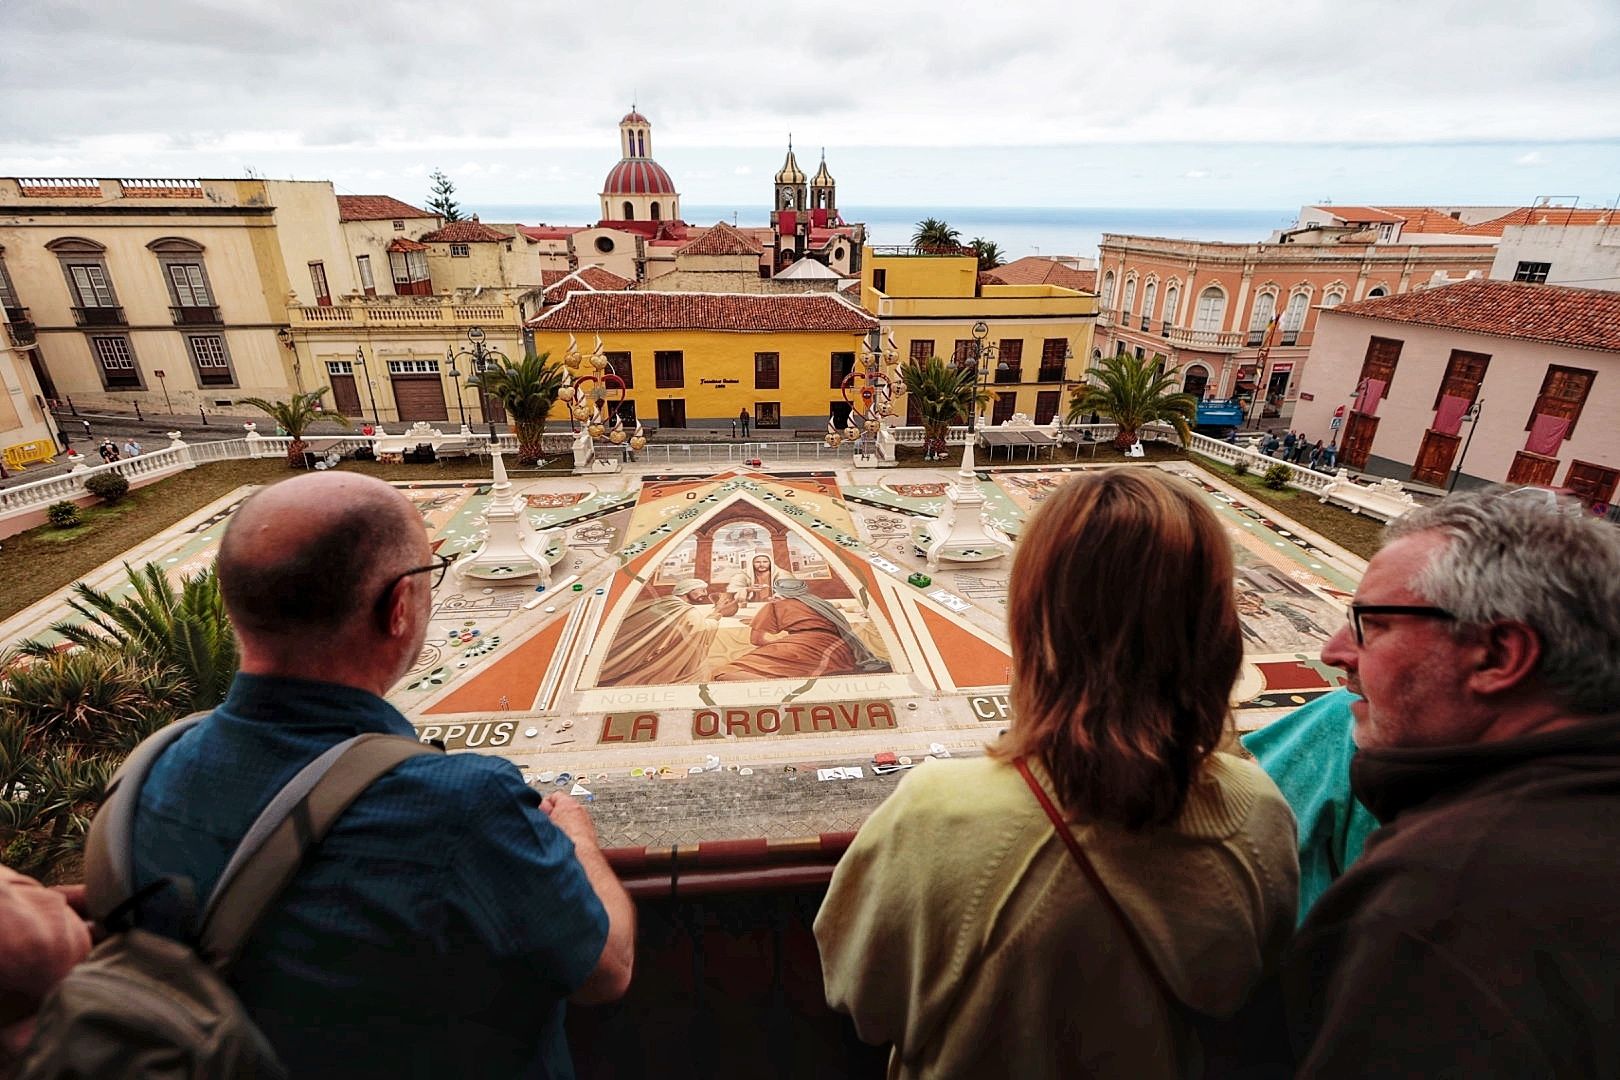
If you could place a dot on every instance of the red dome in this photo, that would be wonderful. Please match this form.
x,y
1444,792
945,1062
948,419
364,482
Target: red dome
x,y
633,117
638,176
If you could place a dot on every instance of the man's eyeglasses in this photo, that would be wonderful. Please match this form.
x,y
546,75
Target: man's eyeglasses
x,y
437,568
1358,611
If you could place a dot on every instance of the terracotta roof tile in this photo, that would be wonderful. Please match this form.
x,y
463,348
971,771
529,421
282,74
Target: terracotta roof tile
x,y
1539,215
549,232
401,243
604,311
585,279
1358,215
721,239
1555,314
376,208
1425,220
466,232
1040,270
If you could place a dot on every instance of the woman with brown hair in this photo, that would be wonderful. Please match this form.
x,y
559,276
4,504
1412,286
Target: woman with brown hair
x,y
1074,903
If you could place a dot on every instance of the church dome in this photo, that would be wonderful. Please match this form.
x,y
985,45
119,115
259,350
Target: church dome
x,y
823,178
638,176
633,117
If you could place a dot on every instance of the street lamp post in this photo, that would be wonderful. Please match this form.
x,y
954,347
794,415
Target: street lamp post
x,y
1472,416
371,391
455,377
478,359
984,360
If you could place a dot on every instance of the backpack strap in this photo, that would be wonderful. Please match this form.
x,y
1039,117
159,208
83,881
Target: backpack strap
x,y
109,872
296,820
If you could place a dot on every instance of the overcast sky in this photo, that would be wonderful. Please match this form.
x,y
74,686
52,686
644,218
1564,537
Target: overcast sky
x,y
1219,103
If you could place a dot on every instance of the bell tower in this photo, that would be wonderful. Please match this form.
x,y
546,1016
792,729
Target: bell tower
x,y
790,185
824,189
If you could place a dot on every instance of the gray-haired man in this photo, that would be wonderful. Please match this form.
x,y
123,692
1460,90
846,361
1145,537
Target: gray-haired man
x,y
1479,934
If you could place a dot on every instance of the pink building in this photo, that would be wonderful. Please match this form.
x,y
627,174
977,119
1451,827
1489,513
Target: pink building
x,y
1239,319
1497,380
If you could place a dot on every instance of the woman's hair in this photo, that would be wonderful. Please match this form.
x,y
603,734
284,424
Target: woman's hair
x,y
1125,643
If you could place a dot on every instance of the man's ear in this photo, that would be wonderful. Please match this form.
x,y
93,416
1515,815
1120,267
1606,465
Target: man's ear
x,y
1511,654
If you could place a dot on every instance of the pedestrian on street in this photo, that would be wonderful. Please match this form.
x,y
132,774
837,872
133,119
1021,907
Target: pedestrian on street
x,y
1288,445
1316,454
132,448
1330,456
87,432
742,422
108,451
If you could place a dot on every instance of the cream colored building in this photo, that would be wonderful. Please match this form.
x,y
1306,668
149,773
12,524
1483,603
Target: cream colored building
x,y
26,434
1041,334
173,295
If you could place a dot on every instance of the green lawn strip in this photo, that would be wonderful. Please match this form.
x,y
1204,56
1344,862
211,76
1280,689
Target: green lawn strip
x,y
1356,533
40,561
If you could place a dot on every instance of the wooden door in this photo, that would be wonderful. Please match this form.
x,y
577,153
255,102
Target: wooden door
x,y
345,395
1434,458
1358,439
1046,405
672,413
1531,468
420,397
1006,404
1593,484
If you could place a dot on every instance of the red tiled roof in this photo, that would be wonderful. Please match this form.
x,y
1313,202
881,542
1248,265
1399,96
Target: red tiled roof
x,y
721,239
585,279
404,244
1426,220
762,313
466,232
549,232
1358,215
853,292
376,208
633,117
1555,314
1538,215
1040,270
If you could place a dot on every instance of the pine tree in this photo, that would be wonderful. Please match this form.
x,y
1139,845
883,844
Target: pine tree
x,y
442,201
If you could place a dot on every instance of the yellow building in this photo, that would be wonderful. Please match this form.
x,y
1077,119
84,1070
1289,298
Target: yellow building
x,y
1040,334
26,436
699,359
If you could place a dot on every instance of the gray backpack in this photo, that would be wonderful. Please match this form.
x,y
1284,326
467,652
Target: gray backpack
x,y
145,1005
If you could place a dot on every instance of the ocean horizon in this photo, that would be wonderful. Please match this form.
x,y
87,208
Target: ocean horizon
x,y
1019,230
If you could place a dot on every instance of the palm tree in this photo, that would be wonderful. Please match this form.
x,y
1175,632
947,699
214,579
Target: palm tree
x,y
528,389
934,237
187,631
1133,392
67,720
988,251
295,416
945,394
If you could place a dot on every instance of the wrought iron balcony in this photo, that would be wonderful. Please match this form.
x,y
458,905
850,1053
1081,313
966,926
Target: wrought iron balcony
x,y
99,316
22,327
1009,375
1053,373
196,316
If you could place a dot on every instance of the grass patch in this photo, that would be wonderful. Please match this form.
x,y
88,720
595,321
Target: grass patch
x,y
41,561
1356,533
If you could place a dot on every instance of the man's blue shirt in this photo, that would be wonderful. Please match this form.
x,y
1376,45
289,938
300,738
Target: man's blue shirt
x,y
435,932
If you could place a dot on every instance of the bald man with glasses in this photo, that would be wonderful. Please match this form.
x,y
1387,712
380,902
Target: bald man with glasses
x,y
1478,934
441,925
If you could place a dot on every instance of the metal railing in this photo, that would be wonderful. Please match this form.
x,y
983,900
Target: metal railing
x,y
99,316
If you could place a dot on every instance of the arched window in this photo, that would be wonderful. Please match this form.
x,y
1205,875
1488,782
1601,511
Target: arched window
x,y
1378,290
1333,299
1211,309
1293,319
1108,290
1265,305
655,211
1172,296
1130,296
1195,380
629,210
1148,296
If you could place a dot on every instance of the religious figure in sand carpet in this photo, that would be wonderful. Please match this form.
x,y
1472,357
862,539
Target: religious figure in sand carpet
x,y
667,639
796,634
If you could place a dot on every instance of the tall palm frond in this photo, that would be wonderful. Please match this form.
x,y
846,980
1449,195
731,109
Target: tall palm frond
x,y
527,389
934,237
944,394
988,251
1133,393
295,415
